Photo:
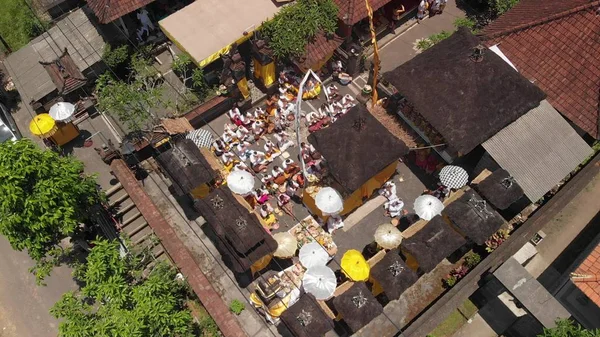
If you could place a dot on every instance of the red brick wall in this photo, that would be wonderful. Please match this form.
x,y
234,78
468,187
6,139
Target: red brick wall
x,y
179,253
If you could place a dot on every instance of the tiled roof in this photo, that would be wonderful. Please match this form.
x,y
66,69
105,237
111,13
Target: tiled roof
x,y
352,11
555,44
109,10
318,50
64,73
587,277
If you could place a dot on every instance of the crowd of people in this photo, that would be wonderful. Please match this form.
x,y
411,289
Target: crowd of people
x,y
431,7
256,140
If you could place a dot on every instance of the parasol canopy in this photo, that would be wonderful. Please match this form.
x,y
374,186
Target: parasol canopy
x,y
313,254
200,137
62,112
428,206
43,126
240,182
355,266
319,281
287,245
329,201
388,236
453,176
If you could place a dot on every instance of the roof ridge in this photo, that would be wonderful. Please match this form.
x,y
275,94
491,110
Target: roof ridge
x,y
541,21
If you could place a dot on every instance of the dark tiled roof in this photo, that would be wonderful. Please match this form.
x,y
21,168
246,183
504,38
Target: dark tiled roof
x,y
499,189
352,11
317,50
394,284
556,44
357,316
318,325
466,102
362,138
64,73
109,10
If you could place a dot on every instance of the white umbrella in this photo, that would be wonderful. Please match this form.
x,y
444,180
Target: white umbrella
x,y
453,176
388,236
240,182
320,282
287,245
62,112
313,254
329,201
427,206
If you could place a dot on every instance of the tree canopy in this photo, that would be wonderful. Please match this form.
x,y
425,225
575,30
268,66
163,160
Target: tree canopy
x,y
117,300
43,198
296,24
568,328
18,25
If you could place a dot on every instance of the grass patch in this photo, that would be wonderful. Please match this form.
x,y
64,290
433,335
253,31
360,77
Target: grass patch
x,y
455,320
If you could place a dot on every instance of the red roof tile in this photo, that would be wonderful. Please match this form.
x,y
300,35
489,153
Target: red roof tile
x,y
109,10
352,11
555,44
587,277
318,50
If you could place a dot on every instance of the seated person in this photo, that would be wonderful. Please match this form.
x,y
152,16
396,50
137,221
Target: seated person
x,y
394,207
234,115
291,188
332,90
334,222
258,129
258,161
283,141
347,99
312,117
261,195
245,120
271,150
218,147
241,166
283,202
242,149
289,167
266,212
242,134
442,192
389,190
279,176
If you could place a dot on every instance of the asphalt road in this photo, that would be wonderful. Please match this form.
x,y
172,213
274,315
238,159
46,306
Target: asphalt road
x,y
24,306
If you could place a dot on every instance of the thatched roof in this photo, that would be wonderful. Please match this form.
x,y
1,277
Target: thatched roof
x,y
500,189
240,233
433,243
186,166
306,319
368,147
466,102
393,275
474,217
357,306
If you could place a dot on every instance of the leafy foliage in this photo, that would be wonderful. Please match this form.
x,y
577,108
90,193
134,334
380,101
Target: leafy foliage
x,y
43,198
191,76
471,24
501,6
472,259
18,25
131,101
114,57
429,42
294,25
236,307
118,301
568,328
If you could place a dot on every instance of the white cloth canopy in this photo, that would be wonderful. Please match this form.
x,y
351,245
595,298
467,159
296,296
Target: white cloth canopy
x,y
320,282
313,254
62,112
428,206
240,182
329,201
388,236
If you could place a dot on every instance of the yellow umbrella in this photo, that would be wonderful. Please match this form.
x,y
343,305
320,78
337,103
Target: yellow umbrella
x,y
43,126
355,266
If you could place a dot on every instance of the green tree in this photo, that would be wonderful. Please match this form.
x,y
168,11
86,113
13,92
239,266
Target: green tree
x,y
132,101
117,300
18,25
115,57
568,328
43,199
194,88
295,24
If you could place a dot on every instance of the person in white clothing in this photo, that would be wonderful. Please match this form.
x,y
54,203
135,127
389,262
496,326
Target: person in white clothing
x,y
389,190
334,222
421,9
283,141
394,207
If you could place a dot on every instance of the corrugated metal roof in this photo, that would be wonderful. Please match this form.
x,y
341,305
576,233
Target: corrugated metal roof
x,y
539,149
